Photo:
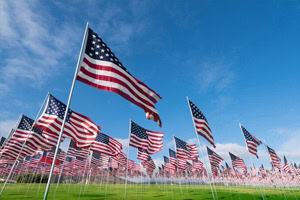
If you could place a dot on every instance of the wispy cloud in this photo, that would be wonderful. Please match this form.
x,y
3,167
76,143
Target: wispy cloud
x,y
215,74
35,47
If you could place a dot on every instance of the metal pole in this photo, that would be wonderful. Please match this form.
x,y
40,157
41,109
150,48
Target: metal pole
x,y
66,112
12,168
125,196
200,147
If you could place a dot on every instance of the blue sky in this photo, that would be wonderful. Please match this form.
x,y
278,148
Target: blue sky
x,y
238,61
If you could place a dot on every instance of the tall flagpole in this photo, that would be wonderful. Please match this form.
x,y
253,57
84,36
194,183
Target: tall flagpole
x,y
66,111
201,148
125,195
250,158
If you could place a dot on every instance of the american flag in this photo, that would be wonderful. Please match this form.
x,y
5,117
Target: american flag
x,y
101,69
168,164
251,141
121,159
107,145
148,141
275,161
237,162
172,157
77,127
214,160
34,136
286,166
141,155
2,141
201,123
95,160
198,165
182,149
149,164
74,151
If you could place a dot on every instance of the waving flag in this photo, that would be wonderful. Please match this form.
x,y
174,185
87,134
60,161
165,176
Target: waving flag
x,y
107,145
237,162
275,161
201,124
77,127
75,151
286,166
185,150
148,141
172,157
198,165
214,160
251,141
168,164
101,69
142,155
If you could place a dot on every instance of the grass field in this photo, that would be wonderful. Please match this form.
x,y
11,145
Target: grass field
x,y
144,192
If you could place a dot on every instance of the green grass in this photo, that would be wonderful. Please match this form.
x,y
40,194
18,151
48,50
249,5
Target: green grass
x,y
145,192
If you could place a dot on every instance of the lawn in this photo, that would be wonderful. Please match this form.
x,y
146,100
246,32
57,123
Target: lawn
x,y
145,192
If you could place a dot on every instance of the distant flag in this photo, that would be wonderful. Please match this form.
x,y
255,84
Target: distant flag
x,y
106,144
214,160
201,124
100,68
251,141
286,166
2,141
141,155
198,165
74,151
182,150
172,157
146,140
78,127
168,165
237,162
275,161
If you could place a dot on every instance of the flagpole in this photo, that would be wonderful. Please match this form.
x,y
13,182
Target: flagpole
x,y
66,111
187,98
125,195
177,165
263,196
12,168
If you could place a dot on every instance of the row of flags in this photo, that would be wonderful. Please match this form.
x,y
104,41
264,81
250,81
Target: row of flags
x,y
100,68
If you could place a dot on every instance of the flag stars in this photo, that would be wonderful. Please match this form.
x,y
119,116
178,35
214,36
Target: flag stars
x,y
98,46
96,52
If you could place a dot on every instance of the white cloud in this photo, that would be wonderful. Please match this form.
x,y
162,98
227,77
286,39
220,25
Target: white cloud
x,y
35,46
289,147
6,126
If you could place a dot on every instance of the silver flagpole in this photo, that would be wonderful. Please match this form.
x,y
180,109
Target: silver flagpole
x,y
212,192
125,195
66,111
250,158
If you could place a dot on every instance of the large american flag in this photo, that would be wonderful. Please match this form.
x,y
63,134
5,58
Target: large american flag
x,y
214,160
237,162
148,141
251,141
201,124
107,145
79,128
101,69
275,160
